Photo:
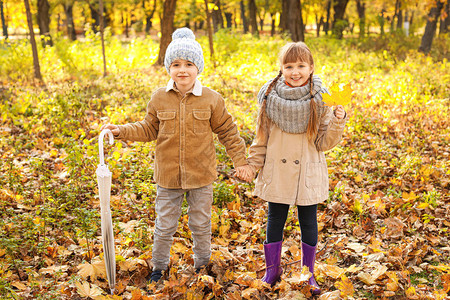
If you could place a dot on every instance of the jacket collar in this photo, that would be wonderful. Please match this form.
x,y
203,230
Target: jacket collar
x,y
197,90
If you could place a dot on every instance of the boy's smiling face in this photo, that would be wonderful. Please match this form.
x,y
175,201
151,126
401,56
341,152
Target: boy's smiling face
x,y
184,73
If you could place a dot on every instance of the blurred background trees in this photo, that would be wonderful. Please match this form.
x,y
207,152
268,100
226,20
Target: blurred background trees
x,y
296,19
341,18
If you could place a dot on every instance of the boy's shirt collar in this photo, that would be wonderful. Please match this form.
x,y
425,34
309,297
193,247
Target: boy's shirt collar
x,y
197,90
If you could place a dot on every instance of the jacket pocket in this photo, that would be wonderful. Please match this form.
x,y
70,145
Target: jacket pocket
x,y
201,120
166,121
316,174
267,172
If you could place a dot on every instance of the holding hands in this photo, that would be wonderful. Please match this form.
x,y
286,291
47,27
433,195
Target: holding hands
x,y
245,173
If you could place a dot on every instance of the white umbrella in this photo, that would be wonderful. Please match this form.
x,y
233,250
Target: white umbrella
x,y
104,189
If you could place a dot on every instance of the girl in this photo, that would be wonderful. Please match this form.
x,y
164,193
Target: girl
x,y
294,128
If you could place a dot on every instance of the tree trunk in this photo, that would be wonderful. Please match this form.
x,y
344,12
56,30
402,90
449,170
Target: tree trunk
x,y
252,17
126,23
229,19
361,8
339,23
381,21
406,24
272,29
148,16
430,28
210,33
4,25
397,5
217,16
68,9
215,20
326,26
58,23
37,68
319,25
95,16
43,18
244,18
295,21
284,26
166,29
261,23
100,12
445,23
400,17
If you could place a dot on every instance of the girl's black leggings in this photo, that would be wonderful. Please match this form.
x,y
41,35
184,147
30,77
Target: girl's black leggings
x,y
307,217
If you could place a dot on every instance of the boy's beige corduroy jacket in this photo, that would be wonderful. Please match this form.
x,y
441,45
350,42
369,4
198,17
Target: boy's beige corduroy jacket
x,y
185,155
294,171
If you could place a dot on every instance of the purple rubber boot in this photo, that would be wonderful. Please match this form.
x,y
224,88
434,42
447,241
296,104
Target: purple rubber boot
x,y
272,253
308,259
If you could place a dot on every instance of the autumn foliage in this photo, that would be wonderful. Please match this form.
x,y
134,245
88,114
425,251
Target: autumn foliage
x,y
383,230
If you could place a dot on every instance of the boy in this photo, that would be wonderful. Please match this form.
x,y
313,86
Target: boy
x,y
181,117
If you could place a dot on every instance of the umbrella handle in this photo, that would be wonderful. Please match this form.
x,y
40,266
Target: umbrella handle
x,y
100,143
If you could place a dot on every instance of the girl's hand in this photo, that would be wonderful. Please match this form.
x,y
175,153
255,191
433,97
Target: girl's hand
x,y
114,128
245,173
339,112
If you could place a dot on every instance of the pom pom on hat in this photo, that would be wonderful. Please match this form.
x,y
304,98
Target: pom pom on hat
x,y
184,46
183,33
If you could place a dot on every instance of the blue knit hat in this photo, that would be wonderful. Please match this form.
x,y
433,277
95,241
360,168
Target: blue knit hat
x,y
184,46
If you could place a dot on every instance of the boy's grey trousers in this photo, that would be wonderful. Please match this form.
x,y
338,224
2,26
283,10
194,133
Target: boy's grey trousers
x,y
168,211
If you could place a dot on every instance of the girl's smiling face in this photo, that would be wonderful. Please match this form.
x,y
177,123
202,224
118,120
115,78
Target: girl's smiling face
x,y
297,73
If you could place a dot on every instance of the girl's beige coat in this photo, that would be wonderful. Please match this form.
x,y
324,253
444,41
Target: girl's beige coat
x,y
294,170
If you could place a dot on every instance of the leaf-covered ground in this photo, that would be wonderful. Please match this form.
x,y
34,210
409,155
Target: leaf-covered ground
x,y
383,230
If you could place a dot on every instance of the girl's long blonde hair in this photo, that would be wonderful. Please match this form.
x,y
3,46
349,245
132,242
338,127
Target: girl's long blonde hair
x,y
291,53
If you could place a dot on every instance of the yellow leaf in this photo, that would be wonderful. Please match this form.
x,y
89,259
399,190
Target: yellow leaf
x,y
116,155
345,286
131,264
223,228
338,97
86,290
178,247
445,279
357,207
379,271
366,278
136,295
408,196
422,205
335,295
410,292
53,153
250,293
331,270
19,285
245,279
392,284
94,270
207,281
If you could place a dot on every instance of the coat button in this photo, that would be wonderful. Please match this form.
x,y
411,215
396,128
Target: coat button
x,y
296,162
283,161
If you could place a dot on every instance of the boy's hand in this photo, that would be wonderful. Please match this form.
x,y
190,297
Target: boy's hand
x,y
245,173
114,128
339,112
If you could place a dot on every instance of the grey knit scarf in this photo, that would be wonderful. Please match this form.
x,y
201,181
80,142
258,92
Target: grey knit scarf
x,y
288,107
